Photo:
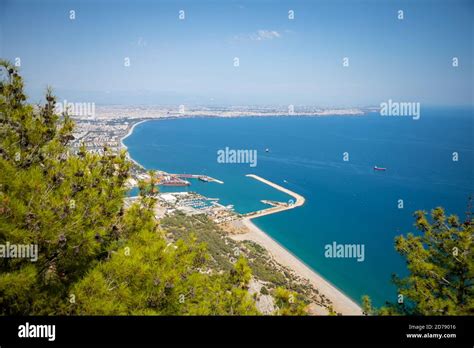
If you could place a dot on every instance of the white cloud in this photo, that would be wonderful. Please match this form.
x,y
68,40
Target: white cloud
x,y
265,35
259,35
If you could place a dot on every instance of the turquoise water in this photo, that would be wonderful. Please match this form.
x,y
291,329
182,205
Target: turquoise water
x,y
346,202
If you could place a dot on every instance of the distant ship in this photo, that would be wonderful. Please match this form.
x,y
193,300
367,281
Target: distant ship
x,y
174,183
380,168
168,180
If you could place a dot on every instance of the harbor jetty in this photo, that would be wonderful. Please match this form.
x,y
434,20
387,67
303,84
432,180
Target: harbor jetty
x,y
276,207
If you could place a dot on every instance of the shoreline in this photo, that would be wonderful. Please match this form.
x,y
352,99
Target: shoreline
x,y
341,302
129,133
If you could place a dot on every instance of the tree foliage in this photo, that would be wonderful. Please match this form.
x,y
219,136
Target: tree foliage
x,y
289,302
440,262
95,256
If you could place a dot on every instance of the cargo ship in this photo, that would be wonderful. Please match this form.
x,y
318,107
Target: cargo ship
x,y
173,181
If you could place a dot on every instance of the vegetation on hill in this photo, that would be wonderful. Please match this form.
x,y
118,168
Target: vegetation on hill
x,y
225,253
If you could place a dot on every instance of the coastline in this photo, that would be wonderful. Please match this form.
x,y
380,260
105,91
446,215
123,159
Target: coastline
x,y
340,301
124,147
129,133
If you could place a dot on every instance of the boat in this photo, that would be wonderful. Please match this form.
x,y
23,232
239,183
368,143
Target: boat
x,y
380,168
173,181
267,150
204,178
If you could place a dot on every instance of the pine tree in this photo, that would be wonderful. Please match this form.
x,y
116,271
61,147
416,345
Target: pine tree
x,y
65,204
289,302
367,305
241,274
440,262
95,256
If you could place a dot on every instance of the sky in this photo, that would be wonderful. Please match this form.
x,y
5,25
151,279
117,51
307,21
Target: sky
x,y
282,61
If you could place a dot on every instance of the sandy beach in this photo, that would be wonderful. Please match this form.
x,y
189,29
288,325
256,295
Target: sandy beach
x,y
341,303
130,131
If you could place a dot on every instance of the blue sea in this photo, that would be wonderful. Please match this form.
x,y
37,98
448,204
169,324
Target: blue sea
x,y
347,202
